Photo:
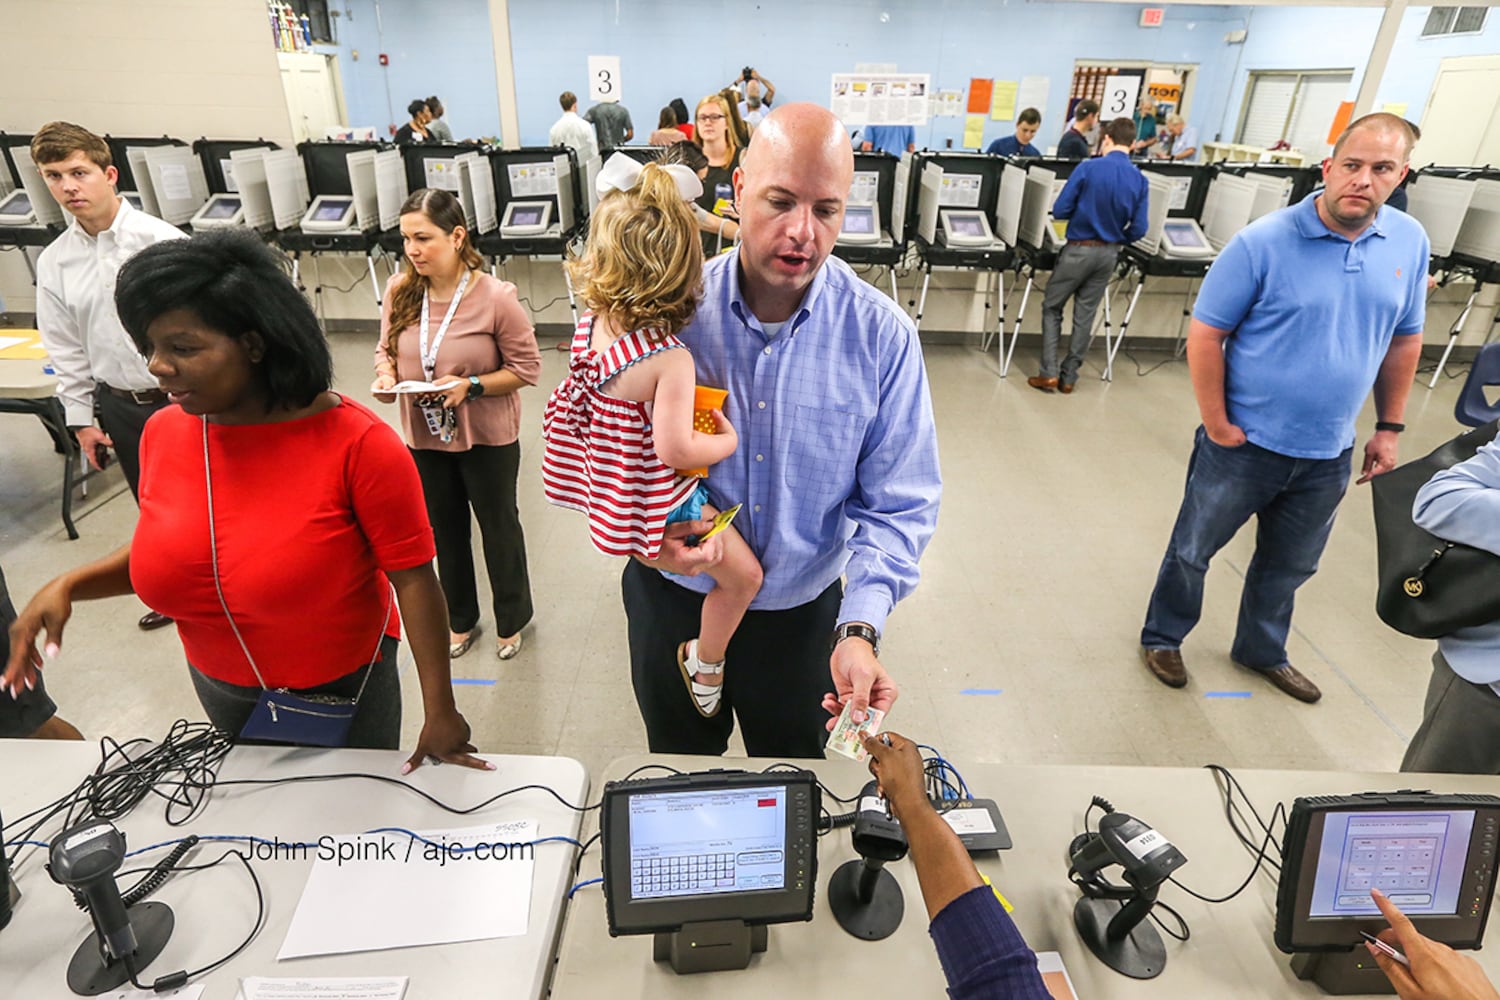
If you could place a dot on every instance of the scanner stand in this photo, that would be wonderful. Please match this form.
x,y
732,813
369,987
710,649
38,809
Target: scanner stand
x,y
1342,973
93,971
710,946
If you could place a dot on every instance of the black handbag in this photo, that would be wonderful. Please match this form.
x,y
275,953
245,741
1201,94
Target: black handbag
x,y
1428,586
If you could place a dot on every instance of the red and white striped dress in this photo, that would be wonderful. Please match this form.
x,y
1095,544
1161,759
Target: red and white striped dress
x,y
599,454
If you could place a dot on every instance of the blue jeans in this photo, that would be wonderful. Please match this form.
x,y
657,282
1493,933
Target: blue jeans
x,y
1294,501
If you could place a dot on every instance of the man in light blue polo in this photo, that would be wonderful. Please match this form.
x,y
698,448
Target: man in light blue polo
x,y
1301,314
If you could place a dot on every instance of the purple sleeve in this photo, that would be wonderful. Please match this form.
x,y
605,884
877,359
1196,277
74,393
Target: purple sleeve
x,y
982,952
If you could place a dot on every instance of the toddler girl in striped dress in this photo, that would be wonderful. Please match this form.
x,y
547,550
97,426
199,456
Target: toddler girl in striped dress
x,y
621,423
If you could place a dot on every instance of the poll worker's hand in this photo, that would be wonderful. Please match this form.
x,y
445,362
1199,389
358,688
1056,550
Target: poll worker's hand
x,y
897,766
858,677
1380,456
1437,972
677,556
47,612
93,443
378,388
445,739
454,394
1226,436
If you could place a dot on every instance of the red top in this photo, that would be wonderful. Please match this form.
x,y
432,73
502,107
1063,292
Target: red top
x,y
686,129
600,455
308,514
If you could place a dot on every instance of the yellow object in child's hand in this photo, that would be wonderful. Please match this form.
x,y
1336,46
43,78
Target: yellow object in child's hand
x,y
706,399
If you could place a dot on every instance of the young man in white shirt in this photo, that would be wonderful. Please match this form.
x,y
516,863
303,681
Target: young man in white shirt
x,y
98,367
571,130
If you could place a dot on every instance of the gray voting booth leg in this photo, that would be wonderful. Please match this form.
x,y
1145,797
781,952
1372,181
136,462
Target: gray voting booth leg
x,y
895,295
572,302
1015,331
1113,348
1453,333
922,299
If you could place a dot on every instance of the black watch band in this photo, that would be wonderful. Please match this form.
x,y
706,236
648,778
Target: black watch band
x,y
1389,425
859,630
476,387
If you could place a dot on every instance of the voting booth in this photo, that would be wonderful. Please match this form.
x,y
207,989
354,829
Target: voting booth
x,y
956,194
1023,219
1460,209
538,197
873,214
225,207
29,215
320,205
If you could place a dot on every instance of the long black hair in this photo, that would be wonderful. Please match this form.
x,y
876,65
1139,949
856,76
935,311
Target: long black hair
x,y
236,285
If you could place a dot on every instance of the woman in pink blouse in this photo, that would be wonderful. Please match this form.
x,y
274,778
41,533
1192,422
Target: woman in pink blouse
x,y
445,321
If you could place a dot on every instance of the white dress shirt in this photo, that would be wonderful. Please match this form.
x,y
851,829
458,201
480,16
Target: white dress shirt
x,y
75,309
571,130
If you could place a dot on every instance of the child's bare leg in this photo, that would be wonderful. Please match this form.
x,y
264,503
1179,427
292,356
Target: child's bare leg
x,y
737,580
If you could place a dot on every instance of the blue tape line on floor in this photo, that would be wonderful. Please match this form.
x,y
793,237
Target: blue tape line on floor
x,y
980,691
473,680
1226,694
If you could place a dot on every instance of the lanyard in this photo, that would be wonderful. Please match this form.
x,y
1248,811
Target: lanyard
x,y
429,354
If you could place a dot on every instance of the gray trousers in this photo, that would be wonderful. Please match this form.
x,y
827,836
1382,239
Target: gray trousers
x,y
1082,273
1460,730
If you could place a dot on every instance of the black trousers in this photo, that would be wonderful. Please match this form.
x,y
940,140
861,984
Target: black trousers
x,y
776,671
482,479
123,420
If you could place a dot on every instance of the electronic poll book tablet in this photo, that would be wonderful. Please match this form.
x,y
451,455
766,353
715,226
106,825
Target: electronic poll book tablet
x,y
15,209
526,218
964,228
1433,855
329,213
1184,238
861,225
219,212
711,846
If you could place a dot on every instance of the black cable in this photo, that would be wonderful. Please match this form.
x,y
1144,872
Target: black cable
x,y
158,873
538,309
298,778
1228,784
1181,923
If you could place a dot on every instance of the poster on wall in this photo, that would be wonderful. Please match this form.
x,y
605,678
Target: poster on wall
x,y
604,78
1003,100
947,103
1032,93
880,99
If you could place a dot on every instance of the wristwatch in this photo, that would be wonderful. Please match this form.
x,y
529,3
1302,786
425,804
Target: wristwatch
x,y
1389,425
476,387
859,630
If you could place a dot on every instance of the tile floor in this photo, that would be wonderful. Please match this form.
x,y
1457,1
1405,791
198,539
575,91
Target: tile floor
x,y
1019,645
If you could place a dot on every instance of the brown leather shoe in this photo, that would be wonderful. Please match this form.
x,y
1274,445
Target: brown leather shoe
x,y
152,620
1042,383
1292,681
1065,387
1166,665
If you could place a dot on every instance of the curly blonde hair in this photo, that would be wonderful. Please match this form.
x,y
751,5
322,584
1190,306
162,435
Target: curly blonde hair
x,y
643,265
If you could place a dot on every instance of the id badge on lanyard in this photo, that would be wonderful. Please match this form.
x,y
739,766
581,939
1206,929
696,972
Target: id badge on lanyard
x,y
442,421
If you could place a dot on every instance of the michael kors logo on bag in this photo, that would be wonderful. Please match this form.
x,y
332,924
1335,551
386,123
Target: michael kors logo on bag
x,y
1413,586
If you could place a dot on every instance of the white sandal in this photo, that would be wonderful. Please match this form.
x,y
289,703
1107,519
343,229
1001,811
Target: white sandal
x,y
706,697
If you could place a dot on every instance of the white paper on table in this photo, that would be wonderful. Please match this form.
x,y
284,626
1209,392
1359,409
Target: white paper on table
x,y
175,185
1055,976
6,342
344,988
194,992
435,898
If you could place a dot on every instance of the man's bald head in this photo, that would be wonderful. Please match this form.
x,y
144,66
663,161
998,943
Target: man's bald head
x,y
790,191
801,133
1381,121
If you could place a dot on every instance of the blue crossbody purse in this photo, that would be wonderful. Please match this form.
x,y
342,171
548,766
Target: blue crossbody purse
x,y
281,715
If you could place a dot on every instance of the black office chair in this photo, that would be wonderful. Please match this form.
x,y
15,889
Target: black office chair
x,y
1472,408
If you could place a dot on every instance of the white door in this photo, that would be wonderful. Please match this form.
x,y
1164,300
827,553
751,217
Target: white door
x,y
1465,96
313,99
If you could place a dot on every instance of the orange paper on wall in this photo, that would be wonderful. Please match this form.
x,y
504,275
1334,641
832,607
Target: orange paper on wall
x,y
979,96
1340,121
706,399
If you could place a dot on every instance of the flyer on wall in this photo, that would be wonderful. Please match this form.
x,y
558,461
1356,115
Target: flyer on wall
x,y
880,98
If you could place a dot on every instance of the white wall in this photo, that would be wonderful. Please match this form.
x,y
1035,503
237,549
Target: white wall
x,y
187,68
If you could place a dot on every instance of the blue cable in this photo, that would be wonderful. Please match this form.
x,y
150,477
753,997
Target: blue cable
x,y
250,839
580,885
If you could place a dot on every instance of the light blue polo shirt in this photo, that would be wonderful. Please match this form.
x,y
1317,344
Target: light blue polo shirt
x,y
1311,316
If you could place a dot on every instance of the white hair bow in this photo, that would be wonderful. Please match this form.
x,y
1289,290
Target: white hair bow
x,y
621,173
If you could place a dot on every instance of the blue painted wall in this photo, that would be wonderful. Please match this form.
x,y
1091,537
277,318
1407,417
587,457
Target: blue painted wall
x,y
440,47
687,48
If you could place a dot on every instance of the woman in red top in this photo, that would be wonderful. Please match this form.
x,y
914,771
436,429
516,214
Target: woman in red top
x,y
280,522
446,322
